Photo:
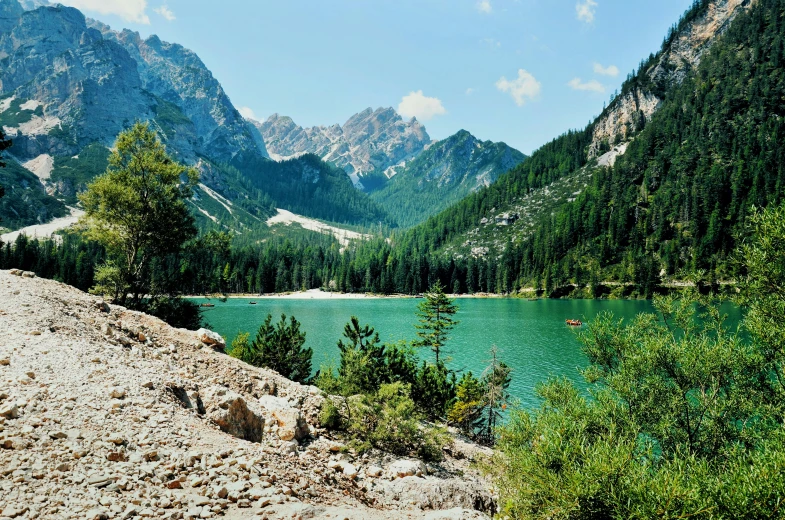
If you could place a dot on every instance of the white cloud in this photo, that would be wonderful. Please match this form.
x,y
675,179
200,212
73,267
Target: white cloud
x,y
484,6
247,113
525,86
585,10
420,106
128,10
610,70
589,86
165,12
470,91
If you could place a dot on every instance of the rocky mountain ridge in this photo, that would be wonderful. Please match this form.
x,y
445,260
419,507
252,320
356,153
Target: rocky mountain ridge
x,y
444,173
151,421
630,111
70,85
371,141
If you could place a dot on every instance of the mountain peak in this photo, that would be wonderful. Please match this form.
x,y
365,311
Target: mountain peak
x,y
370,141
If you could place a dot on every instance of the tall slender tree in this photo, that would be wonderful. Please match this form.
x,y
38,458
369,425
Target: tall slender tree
x,y
436,319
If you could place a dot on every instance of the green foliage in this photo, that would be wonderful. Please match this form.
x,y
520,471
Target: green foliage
x,y
308,186
436,313
177,312
74,173
137,211
685,417
466,411
169,117
278,347
15,115
363,362
329,415
241,347
434,390
388,420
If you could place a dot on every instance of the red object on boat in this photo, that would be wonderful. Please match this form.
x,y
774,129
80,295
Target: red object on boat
x,y
574,323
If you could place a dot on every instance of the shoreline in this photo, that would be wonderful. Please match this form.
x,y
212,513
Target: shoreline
x,y
318,294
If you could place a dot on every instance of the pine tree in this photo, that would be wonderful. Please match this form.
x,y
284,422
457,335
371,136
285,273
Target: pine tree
x,y
279,347
436,319
495,381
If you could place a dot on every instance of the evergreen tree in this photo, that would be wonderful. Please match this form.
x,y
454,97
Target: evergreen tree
x,y
436,319
466,412
279,347
495,381
363,362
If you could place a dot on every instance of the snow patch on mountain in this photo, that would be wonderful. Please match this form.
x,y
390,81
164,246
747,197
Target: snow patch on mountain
x,y
223,201
342,235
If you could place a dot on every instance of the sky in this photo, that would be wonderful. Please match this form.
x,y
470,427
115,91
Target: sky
x,y
518,71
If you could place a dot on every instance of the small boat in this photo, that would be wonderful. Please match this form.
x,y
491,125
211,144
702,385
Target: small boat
x,y
207,305
574,323
251,303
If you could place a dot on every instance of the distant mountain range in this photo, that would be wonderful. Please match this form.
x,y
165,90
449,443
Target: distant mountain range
x,y
408,174
69,85
369,143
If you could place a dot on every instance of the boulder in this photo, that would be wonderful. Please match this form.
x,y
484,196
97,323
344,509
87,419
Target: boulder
x,y
406,468
289,421
9,411
233,414
211,338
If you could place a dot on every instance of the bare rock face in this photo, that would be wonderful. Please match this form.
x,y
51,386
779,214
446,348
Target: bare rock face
x,y
629,112
406,468
287,421
233,414
370,141
439,495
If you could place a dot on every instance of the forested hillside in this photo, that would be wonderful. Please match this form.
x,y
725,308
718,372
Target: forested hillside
x,y
446,172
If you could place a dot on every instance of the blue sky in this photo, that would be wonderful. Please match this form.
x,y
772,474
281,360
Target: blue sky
x,y
518,71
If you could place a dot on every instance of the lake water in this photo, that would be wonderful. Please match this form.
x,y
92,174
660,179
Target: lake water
x,y
532,336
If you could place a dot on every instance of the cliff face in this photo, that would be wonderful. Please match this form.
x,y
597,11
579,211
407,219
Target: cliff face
x,y
177,75
369,142
631,110
109,413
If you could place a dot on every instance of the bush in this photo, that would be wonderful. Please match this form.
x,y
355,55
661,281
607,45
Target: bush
x,y
330,416
387,420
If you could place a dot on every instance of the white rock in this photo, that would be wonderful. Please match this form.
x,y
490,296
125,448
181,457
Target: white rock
x,y
209,337
406,468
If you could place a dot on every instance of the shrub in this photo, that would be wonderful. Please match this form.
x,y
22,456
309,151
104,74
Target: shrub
x,y
388,420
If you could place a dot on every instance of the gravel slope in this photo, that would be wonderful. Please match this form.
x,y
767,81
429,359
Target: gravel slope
x,y
109,413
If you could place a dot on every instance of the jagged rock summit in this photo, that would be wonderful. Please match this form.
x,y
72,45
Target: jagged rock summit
x,y
371,141
109,413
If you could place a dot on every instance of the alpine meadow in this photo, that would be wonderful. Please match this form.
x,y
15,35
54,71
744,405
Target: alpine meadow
x,y
511,314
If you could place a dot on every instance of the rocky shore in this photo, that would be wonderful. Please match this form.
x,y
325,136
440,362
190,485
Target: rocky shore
x,y
109,413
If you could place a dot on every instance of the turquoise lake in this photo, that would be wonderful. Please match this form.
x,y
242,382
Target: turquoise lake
x,y
532,336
